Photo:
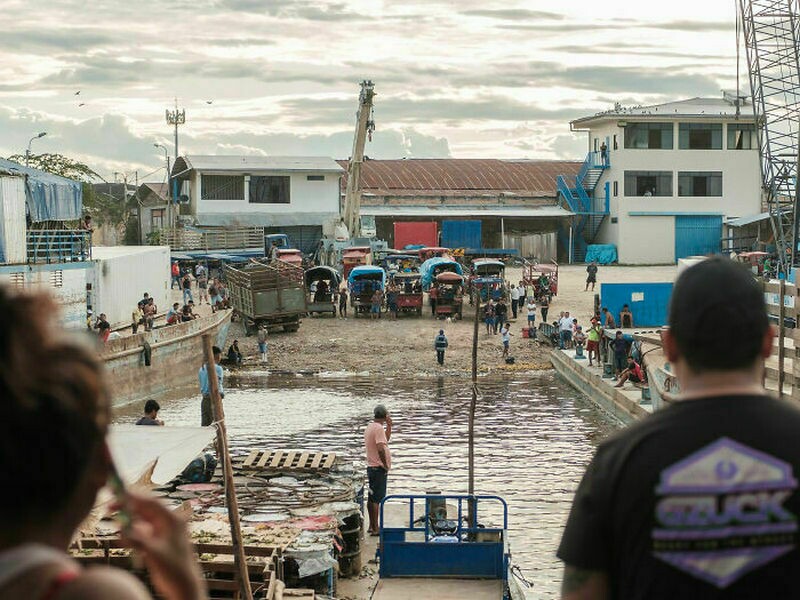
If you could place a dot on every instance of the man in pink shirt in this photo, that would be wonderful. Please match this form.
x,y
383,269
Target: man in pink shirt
x,y
379,461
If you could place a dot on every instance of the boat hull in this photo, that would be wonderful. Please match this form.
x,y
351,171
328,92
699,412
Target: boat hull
x,y
175,355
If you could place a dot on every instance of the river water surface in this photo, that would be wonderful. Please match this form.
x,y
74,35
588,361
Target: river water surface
x,y
534,437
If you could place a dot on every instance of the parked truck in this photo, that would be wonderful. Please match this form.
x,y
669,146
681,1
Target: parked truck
x,y
267,294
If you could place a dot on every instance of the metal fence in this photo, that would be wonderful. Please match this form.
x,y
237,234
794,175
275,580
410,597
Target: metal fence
x,y
58,245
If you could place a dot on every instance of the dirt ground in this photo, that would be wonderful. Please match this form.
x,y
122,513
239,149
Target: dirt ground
x,y
405,346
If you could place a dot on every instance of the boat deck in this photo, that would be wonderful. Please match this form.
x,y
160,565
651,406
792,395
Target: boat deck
x,y
441,589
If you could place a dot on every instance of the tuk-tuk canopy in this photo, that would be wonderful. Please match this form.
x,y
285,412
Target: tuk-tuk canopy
x,y
449,277
487,280
426,269
483,265
323,273
432,251
367,272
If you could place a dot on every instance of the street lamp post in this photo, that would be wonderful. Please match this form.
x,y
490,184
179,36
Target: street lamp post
x,y
169,185
176,117
28,151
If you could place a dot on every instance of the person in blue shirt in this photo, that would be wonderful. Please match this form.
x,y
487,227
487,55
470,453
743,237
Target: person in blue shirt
x,y
206,415
440,345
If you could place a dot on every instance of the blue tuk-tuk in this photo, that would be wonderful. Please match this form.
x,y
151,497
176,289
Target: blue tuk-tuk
x,y
362,282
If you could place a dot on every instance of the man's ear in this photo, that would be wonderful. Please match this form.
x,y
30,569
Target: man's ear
x,y
670,345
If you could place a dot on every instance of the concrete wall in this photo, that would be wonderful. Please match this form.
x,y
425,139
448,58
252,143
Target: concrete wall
x,y
305,196
647,239
120,275
65,282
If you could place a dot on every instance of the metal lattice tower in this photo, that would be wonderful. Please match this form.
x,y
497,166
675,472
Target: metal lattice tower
x,y
771,35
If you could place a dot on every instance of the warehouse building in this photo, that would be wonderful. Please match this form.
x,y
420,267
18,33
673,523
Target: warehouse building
x,y
515,201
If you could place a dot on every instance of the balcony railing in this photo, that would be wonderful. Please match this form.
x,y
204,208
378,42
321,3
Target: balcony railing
x,y
59,245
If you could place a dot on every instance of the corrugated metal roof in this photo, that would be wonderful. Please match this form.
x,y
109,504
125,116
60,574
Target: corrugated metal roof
x,y
466,176
465,211
246,164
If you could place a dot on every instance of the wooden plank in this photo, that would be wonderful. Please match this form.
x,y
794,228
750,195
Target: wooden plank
x,y
251,457
317,459
329,461
264,459
301,464
299,594
276,460
289,459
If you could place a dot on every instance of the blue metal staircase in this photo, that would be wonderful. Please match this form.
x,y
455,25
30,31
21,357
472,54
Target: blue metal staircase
x,y
583,200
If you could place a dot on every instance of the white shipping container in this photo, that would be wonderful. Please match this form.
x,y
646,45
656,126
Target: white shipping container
x,y
13,246
65,282
122,274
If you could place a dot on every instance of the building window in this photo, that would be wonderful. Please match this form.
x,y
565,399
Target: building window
x,y
742,136
616,146
156,218
57,278
616,188
699,183
18,280
648,183
315,177
700,136
595,145
653,136
614,220
269,189
222,187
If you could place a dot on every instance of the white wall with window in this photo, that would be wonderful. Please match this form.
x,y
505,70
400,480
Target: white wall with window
x,y
693,157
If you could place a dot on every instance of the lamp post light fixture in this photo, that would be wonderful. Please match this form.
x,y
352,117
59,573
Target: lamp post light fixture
x,y
170,200
28,151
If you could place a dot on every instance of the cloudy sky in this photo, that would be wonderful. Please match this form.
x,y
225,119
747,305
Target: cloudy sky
x,y
460,78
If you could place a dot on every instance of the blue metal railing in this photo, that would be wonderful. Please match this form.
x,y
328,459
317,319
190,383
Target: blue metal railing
x,y
567,193
464,551
59,245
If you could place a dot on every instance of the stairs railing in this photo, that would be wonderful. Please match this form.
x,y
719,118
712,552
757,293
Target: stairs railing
x,y
582,200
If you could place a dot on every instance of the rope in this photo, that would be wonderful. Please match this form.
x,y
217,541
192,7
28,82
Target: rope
x,y
517,572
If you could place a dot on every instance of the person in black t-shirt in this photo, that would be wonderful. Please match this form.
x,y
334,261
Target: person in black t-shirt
x,y
700,499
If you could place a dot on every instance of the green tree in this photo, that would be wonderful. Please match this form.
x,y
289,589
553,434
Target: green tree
x,y
104,208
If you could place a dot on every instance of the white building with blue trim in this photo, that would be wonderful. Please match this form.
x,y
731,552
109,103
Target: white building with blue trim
x,y
663,182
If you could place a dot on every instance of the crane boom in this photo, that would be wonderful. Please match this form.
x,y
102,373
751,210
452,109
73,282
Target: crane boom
x,y
771,36
365,125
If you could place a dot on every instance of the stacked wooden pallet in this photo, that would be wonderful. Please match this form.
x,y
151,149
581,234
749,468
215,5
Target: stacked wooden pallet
x,y
288,461
216,562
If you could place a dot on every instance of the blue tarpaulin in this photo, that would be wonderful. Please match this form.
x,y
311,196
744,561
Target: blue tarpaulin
x,y
604,254
48,197
426,269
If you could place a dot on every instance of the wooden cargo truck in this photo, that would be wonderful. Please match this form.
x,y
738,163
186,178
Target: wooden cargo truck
x,y
270,294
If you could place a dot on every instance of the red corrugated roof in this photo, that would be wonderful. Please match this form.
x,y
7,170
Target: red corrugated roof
x,y
471,175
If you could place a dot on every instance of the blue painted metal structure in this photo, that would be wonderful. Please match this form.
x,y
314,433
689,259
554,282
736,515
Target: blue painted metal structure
x,y
359,276
581,198
58,245
431,554
491,252
461,234
649,302
697,235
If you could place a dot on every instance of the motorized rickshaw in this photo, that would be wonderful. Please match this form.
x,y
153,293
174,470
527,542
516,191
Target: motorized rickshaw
x,y
355,256
434,266
755,261
487,274
400,263
362,282
409,291
321,285
449,295
544,279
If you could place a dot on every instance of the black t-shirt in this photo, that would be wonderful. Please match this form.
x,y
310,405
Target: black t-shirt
x,y
698,500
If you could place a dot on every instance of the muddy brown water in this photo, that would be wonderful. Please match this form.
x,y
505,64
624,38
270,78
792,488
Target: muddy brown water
x,y
534,437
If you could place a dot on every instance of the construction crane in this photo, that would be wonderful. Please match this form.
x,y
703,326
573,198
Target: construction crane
x,y
771,35
365,125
